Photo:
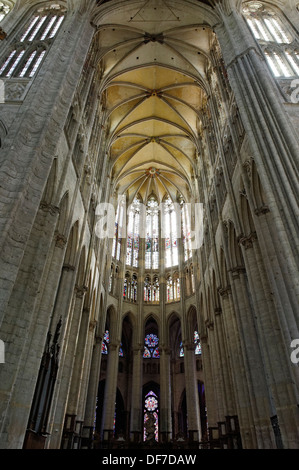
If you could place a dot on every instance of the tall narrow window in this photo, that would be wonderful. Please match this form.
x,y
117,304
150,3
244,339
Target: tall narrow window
x,y
147,289
155,290
152,234
186,230
151,421
105,345
169,289
197,344
34,41
133,292
273,36
133,233
118,231
197,350
105,342
171,229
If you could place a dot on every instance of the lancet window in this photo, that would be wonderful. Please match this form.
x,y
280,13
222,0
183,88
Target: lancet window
x,y
152,234
275,38
33,42
118,229
197,349
133,233
151,420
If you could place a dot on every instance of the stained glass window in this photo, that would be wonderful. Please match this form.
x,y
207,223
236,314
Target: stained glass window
x,y
171,231
133,293
151,289
169,289
152,234
151,418
151,349
133,233
197,343
105,343
147,289
197,349
118,233
186,230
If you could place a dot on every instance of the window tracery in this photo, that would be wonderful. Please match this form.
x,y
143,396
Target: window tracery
x,y
151,346
133,233
150,416
173,292
275,38
28,52
171,232
4,10
152,234
151,289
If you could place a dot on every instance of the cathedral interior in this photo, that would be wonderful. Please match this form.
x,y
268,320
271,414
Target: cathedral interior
x,y
149,224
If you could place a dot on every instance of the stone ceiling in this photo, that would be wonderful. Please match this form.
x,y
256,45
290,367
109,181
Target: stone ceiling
x,y
153,62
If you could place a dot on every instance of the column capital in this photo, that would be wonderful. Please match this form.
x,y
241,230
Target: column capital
x,y
247,241
80,291
237,270
224,291
61,240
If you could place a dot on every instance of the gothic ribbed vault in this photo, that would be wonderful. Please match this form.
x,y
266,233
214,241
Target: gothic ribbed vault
x,y
153,88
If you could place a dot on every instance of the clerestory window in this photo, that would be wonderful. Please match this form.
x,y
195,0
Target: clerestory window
x,y
275,38
25,57
4,10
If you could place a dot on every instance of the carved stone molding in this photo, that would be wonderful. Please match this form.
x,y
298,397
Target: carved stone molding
x,y
236,271
92,325
68,267
46,207
61,240
80,291
225,291
247,242
209,324
15,89
262,210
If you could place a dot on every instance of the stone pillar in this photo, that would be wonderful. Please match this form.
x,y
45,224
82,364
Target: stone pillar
x,y
257,402
211,402
66,364
274,147
165,396
110,392
136,418
193,412
92,393
276,360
